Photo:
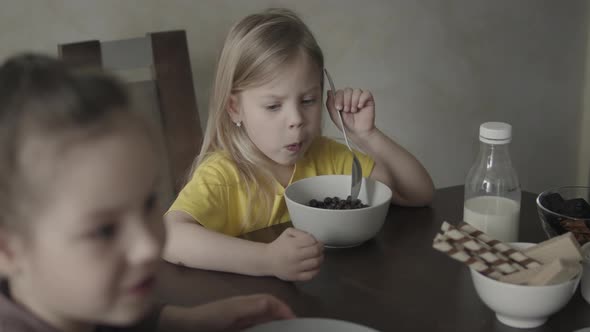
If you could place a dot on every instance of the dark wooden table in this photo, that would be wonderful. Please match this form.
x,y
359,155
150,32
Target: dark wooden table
x,y
395,282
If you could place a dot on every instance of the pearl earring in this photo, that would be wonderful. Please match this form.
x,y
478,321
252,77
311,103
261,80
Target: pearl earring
x,y
239,124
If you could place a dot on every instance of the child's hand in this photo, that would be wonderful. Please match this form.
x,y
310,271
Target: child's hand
x,y
295,255
237,313
231,314
358,110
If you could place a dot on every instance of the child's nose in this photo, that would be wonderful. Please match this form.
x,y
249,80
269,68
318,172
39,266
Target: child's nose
x,y
296,118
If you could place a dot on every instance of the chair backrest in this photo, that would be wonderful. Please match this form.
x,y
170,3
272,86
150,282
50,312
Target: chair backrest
x,y
158,70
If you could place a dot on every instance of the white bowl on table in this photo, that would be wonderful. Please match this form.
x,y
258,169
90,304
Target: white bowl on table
x,y
523,306
338,228
310,325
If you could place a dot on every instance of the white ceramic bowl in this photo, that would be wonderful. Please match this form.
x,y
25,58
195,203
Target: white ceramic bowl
x,y
310,325
585,283
338,228
519,305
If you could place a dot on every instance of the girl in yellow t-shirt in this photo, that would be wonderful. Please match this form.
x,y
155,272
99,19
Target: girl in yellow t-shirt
x,y
263,133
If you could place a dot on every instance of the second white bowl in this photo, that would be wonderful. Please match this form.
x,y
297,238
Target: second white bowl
x,y
523,306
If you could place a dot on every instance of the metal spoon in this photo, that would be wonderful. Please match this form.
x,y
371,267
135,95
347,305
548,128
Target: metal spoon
x,y
357,172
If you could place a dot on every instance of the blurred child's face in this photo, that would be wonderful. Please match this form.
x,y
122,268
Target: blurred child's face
x,y
93,247
283,117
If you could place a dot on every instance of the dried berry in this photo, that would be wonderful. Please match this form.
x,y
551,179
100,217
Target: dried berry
x,y
572,208
335,203
577,208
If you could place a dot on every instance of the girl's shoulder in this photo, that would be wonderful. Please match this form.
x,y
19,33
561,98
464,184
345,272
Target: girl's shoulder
x,y
217,158
217,167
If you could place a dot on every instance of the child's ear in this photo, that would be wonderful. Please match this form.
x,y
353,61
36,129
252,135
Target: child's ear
x,y
8,252
233,108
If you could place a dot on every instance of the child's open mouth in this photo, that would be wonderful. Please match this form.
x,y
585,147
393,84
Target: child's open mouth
x,y
295,147
145,286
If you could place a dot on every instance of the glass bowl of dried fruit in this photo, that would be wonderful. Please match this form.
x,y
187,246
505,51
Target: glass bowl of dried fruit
x,y
320,206
566,209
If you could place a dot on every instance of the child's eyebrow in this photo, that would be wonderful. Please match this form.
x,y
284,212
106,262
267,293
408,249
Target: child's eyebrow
x,y
281,97
273,96
106,213
315,87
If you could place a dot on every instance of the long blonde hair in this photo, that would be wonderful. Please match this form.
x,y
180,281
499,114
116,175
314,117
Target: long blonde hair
x,y
253,51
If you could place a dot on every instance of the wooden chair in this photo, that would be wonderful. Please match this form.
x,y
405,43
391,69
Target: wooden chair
x,y
158,70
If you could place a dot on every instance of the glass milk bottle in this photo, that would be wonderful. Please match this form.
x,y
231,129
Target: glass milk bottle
x,y
492,191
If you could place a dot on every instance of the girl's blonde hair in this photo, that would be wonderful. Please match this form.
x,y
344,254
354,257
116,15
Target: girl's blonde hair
x,y
254,50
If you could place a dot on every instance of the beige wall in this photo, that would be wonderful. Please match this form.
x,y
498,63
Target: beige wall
x,y
437,68
584,152
584,138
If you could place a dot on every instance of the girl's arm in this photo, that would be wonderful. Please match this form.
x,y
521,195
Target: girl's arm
x,y
294,255
396,167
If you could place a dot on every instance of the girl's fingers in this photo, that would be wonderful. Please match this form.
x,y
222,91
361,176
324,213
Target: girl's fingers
x,y
339,100
311,251
311,264
307,275
305,240
354,102
251,310
348,100
365,99
347,95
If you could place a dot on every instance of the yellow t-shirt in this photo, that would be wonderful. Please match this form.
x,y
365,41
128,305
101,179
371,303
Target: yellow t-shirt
x,y
216,196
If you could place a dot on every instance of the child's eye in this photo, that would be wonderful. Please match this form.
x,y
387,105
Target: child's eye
x,y
105,232
150,203
274,107
309,101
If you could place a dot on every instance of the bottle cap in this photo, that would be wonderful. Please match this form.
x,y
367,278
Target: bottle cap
x,y
495,133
